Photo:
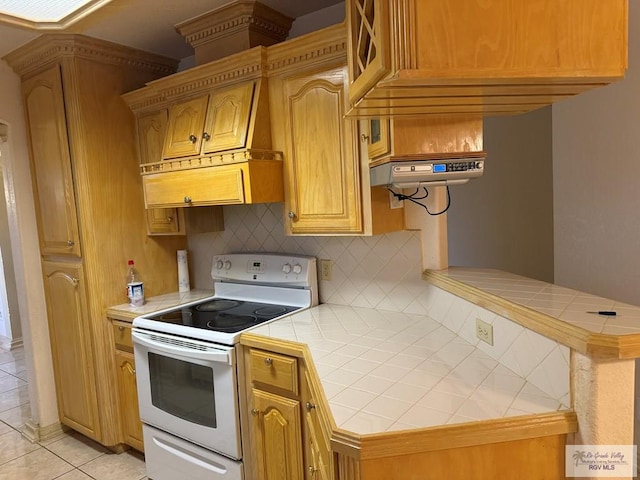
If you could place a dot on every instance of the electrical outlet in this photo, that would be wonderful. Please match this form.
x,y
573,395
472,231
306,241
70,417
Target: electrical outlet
x,y
395,202
326,269
484,331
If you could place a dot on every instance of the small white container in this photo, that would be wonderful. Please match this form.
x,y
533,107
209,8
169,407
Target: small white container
x,y
135,292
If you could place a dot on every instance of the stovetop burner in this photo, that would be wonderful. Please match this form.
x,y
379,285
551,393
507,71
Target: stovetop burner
x,y
230,322
223,315
217,305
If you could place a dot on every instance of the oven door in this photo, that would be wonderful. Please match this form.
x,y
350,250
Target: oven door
x,y
188,388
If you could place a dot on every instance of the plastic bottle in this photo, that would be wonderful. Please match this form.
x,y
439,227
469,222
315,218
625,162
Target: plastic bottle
x,y
131,272
135,288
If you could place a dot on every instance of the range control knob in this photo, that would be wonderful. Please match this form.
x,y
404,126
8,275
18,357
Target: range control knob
x,y
227,265
286,268
297,268
219,264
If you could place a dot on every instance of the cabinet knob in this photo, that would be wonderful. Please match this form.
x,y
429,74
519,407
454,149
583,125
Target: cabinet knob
x,y
193,138
255,412
206,136
71,243
74,281
169,219
313,470
187,199
268,362
309,406
292,215
364,137
121,328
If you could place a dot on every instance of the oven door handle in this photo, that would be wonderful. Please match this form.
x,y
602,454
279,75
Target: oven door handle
x,y
211,354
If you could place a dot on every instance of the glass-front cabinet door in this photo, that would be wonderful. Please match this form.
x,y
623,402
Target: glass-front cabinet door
x,y
378,141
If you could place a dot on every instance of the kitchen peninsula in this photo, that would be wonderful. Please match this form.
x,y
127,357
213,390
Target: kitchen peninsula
x,y
391,390
388,417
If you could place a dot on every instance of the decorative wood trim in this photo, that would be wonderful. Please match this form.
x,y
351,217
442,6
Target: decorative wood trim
x,y
596,345
462,435
321,46
49,48
248,65
236,16
212,160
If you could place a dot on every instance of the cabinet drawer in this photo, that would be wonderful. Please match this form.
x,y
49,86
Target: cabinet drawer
x,y
275,370
122,336
201,186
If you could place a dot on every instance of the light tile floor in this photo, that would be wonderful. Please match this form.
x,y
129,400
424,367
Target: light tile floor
x,y
69,456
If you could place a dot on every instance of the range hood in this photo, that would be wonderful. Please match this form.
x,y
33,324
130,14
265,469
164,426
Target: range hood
x,y
414,171
213,120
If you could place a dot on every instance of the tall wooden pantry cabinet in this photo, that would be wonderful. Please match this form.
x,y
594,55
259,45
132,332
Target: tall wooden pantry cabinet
x,y
90,211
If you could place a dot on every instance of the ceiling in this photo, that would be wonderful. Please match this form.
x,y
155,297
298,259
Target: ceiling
x,y
149,24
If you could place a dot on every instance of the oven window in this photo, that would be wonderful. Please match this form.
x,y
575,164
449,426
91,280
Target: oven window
x,y
183,389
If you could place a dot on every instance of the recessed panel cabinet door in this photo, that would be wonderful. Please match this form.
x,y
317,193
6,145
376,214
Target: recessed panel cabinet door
x,y
323,179
228,118
127,389
277,436
70,332
51,164
185,130
152,129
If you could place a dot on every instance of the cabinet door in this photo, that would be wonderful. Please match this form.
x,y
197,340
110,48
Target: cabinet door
x,y
378,139
71,345
51,164
127,389
277,436
185,129
152,129
228,118
369,58
318,454
323,183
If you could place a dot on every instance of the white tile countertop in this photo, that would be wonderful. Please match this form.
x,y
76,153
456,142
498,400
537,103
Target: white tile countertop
x,y
571,306
127,313
568,316
383,371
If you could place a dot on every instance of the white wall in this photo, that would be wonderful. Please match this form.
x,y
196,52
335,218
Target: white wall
x,y
596,169
596,164
10,327
26,252
504,219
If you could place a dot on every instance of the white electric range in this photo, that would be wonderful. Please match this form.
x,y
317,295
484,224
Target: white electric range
x,y
186,363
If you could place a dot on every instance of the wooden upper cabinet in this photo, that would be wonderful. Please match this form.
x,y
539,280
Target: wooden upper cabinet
x,y
209,123
152,130
51,164
378,137
414,57
228,118
369,41
323,184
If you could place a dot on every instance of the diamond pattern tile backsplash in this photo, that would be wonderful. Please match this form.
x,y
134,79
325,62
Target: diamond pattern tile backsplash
x,y
382,271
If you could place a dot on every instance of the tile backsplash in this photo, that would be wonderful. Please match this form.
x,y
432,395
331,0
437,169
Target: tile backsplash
x,y
381,272
384,272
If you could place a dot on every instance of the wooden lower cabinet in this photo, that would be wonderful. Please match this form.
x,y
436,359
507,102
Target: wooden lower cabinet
x,y
287,440
72,346
292,434
277,436
127,386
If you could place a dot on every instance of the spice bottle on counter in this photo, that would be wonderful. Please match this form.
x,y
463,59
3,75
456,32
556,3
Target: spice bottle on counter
x,y
135,288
